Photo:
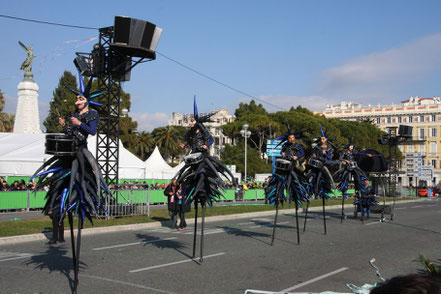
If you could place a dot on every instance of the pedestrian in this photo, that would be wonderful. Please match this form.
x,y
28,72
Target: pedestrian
x,y
182,209
172,203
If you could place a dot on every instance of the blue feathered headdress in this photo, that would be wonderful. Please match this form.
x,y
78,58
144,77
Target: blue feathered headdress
x,y
85,91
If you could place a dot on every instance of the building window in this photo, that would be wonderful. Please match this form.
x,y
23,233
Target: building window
x,y
432,147
410,148
433,117
410,119
421,134
434,163
421,118
216,132
399,119
378,120
433,132
389,120
421,148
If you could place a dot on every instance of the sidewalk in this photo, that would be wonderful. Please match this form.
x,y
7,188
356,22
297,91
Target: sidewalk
x,y
110,229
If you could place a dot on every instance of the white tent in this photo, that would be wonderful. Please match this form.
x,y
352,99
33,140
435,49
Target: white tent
x,y
22,154
157,168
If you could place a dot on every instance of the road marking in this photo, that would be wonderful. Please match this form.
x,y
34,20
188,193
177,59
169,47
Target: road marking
x,y
132,244
400,208
5,256
127,284
315,279
431,205
417,206
206,232
374,223
247,223
173,263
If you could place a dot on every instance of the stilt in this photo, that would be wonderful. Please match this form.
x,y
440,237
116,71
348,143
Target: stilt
x,y
361,206
74,256
201,259
195,226
324,214
275,222
306,217
297,223
342,206
77,263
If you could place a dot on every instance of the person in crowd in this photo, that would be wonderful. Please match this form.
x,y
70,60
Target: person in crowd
x,y
172,202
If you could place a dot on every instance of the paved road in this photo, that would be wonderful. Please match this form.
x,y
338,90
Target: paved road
x,y
238,256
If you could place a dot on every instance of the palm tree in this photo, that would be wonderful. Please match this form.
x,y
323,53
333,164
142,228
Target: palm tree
x,y
144,144
167,139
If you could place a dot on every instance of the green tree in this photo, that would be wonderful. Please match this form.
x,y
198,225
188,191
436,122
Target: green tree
x,y
167,139
143,144
236,155
249,109
62,101
6,119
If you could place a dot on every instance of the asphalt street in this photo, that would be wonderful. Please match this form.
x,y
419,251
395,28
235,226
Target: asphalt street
x,y
237,255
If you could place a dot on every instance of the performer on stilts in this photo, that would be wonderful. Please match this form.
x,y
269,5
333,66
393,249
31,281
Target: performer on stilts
x,y
318,175
74,178
348,168
199,177
288,176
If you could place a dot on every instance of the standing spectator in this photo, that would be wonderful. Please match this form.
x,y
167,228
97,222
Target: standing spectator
x,y
172,202
3,185
182,209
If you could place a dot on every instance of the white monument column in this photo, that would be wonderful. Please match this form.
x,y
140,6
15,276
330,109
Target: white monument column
x,y
27,118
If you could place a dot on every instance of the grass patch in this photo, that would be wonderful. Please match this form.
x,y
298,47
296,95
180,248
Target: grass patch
x,y
39,225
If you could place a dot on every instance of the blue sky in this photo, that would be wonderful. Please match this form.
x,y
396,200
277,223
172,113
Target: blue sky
x,y
288,53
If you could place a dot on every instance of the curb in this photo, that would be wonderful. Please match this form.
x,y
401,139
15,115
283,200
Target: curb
x,y
132,227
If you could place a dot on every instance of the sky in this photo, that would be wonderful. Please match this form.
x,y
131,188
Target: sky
x,y
286,53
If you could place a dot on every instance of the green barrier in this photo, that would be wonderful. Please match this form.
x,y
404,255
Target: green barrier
x,y
19,200
229,195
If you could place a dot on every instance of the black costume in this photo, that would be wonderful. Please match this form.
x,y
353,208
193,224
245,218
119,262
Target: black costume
x,y
318,176
199,178
288,177
75,180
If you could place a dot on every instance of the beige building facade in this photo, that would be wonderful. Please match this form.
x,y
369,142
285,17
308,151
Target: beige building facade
x,y
219,118
423,114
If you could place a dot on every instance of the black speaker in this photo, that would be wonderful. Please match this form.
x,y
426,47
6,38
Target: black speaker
x,y
119,66
135,38
405,131
84,65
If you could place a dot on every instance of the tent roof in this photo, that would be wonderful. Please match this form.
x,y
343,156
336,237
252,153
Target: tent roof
x,y
156,163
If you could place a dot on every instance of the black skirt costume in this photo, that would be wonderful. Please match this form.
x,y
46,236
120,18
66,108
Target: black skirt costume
x,y
75,181
200,177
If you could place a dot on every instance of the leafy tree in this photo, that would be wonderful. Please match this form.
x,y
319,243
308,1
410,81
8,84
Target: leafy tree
x,y
167,139
6,119
236,155
63,100
143,144
248,109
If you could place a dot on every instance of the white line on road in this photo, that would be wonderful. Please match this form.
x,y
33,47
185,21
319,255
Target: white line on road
x,y
24,255
132,244
315,279
400,208
374,223
431,205
417,206
247,223
172,263
127,284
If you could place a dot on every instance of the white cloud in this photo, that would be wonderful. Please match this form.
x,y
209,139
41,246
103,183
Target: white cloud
x,y
149,121
380,74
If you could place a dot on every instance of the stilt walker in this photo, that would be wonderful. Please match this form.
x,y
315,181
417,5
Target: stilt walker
x,y
199,178
287,178
74,178
349,169
318,176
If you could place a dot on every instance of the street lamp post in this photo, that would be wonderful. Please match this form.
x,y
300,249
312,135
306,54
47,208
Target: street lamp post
x,y
246,134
